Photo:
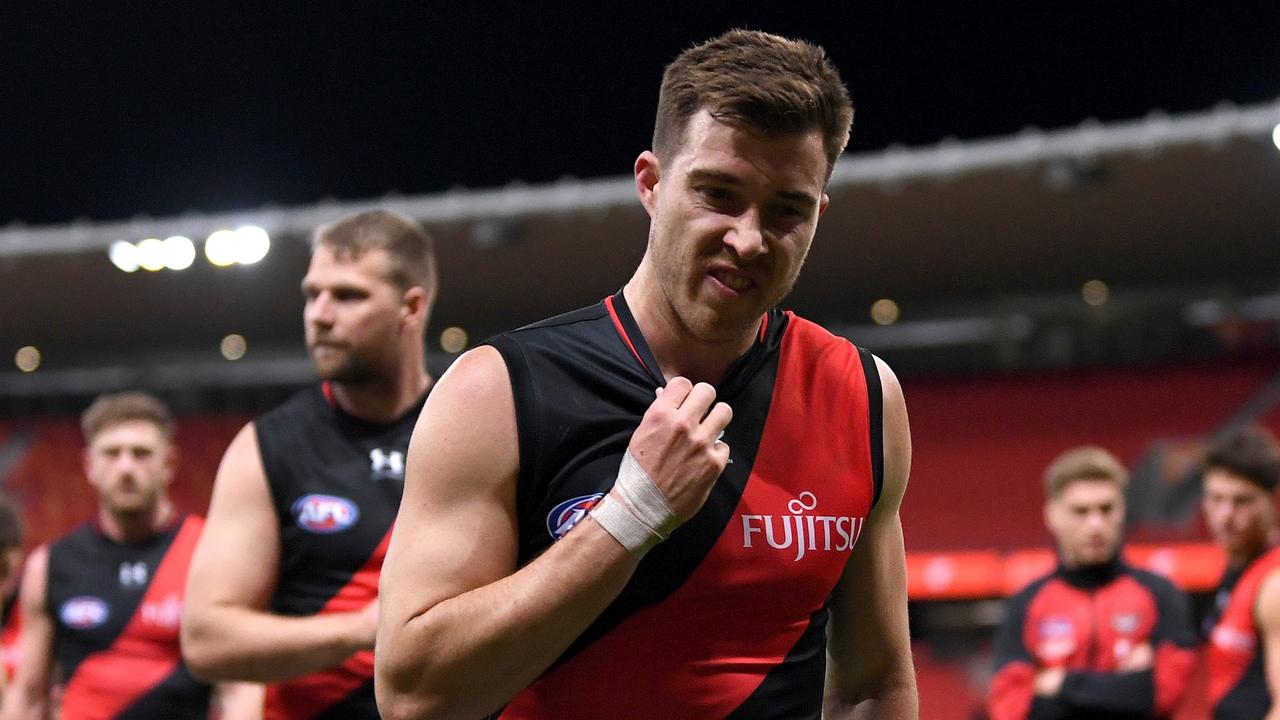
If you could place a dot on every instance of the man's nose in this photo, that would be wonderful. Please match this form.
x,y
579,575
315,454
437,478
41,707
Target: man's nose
x,y
747,236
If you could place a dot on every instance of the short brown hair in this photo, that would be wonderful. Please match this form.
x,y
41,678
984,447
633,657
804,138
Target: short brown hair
x,y
111,409
1087,462
10,525
410,246
772,84
1250,453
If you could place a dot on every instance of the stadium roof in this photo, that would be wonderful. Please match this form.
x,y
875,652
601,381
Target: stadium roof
x,y
1163,201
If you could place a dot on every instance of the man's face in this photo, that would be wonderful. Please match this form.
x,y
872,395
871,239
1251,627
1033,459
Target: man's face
x,y
1239,513
353,315
1086,520
733,215
130,465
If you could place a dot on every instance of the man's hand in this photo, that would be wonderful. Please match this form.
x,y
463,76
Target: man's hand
x,y
1140,658
676,444
367,621
1049,681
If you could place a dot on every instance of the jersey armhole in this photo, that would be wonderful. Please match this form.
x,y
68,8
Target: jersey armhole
x,y
267,451
523,395
875,421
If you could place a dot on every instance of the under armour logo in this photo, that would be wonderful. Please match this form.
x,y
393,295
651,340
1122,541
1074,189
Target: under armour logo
x,y
386,465
133,574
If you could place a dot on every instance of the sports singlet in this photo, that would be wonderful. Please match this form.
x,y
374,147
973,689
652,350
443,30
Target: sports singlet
x,y
336,483
728,617
116,609
1237,680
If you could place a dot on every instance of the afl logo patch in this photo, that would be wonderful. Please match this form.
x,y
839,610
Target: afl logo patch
x,y
84,612
564,516
325,514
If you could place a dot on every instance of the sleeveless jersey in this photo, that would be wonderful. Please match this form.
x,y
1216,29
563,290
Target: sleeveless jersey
x,y
1237,681
115,609
336,483
727,618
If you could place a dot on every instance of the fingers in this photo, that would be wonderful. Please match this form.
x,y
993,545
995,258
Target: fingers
x,y
673,394
718,419
699,400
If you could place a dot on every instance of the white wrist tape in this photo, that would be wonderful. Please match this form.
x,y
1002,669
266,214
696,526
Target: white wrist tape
x,y
642,518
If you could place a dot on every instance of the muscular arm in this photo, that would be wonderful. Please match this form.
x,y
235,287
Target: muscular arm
x,y
462,629
869,671
226,632
1267,616
28,697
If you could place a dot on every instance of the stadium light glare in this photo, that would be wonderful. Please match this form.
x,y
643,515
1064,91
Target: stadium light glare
x,y
151,254
884,312
179,252
124,255
220,248
27,358
233,347
1275,136
253,243
453,340
1095,293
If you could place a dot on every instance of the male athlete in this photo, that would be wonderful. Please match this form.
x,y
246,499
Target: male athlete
x,y
1096,637
10,575
585,534
284,584
1240,477
101,606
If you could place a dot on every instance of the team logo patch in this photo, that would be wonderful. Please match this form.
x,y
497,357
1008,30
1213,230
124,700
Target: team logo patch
x,y
564,516
1056,626
84,612
325,514
1126,623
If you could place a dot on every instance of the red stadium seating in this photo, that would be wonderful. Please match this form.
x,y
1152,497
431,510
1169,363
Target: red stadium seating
x,y
981,444
49,486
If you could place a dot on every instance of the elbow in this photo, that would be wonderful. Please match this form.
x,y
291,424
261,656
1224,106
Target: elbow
x,y
410,703
203,656
405,693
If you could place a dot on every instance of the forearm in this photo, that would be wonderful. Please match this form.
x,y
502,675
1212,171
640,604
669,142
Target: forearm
x,y
225,643
468,655
25,702
894,696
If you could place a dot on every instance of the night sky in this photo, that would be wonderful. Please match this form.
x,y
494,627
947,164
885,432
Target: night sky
x,y
109,110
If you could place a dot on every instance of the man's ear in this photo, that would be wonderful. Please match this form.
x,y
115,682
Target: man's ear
x,y
648,171
414,305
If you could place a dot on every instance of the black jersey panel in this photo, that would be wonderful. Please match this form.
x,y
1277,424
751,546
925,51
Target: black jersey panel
x,y
94,588
336,483
178,697
794,689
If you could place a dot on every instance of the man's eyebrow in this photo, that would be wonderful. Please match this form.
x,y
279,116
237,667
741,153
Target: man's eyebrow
x,y
714,175
704,175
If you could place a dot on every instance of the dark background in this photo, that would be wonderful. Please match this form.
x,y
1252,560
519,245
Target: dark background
x,y
109,110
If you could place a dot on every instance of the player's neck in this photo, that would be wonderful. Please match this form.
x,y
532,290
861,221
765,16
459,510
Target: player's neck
x,y
383,401
677,350
136,527
1253,552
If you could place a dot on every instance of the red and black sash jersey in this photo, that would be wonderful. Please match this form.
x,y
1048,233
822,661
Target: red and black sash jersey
x,y
336,483
727,618
1237,677
116,608
1087,621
